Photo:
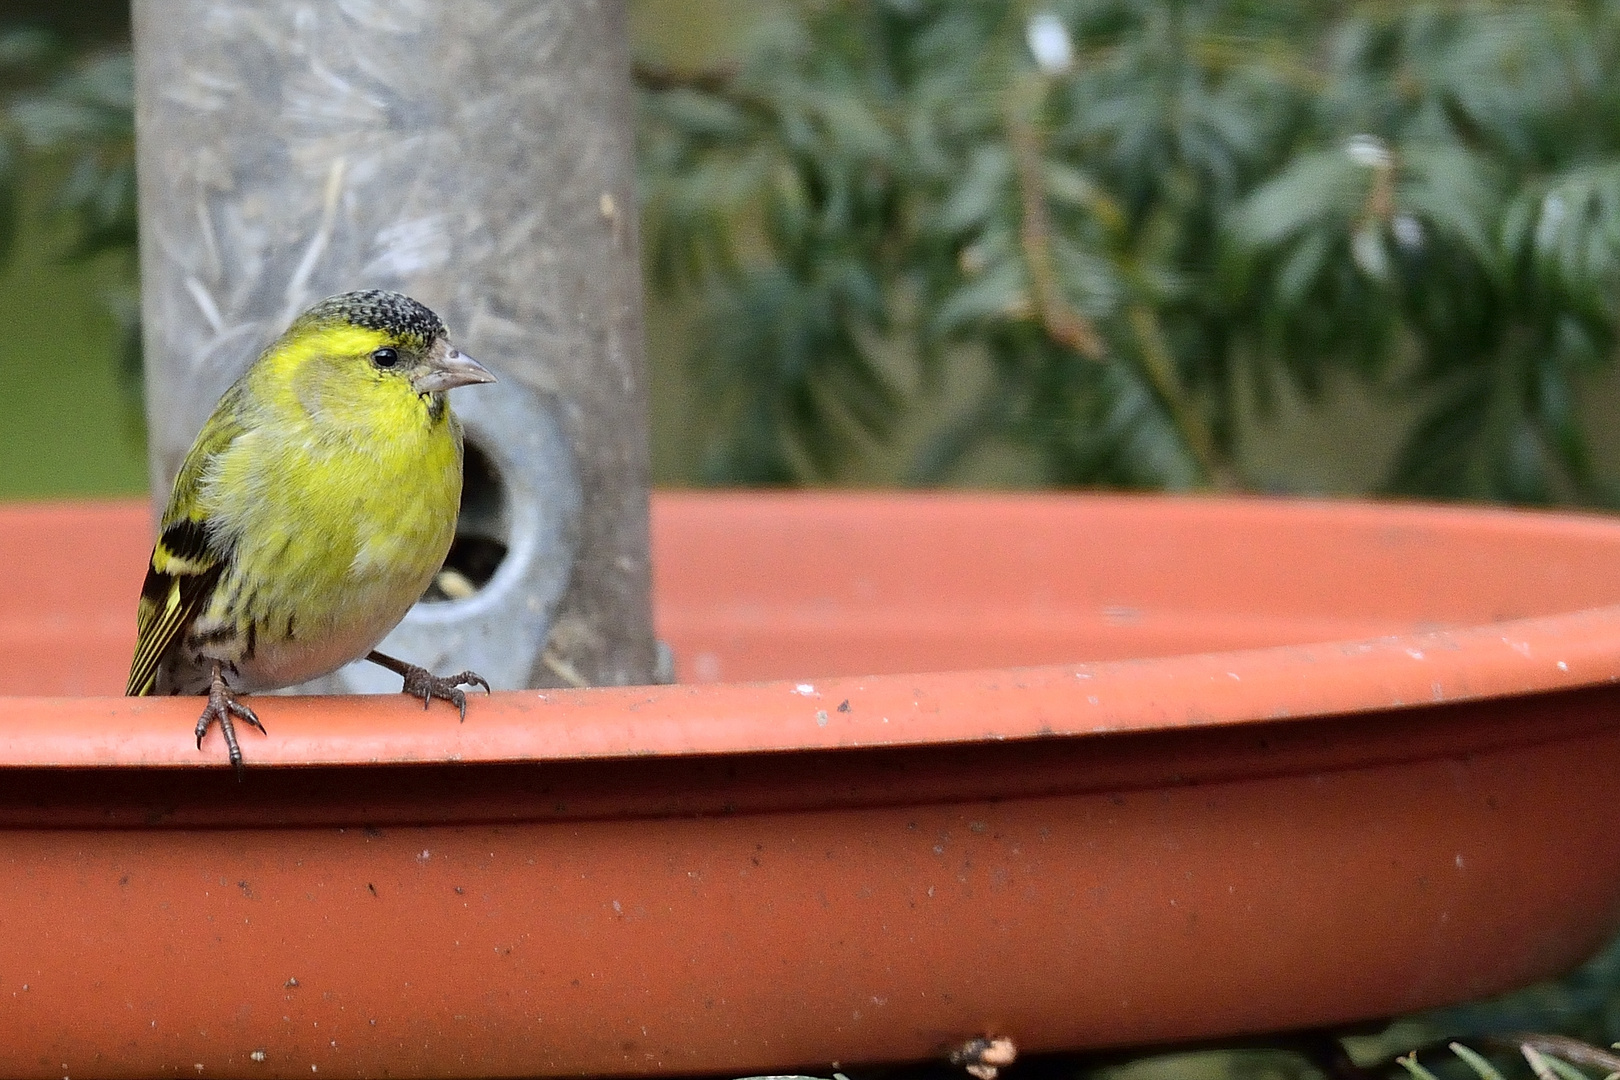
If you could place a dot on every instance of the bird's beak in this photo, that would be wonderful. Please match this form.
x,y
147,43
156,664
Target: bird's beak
x,y
452,370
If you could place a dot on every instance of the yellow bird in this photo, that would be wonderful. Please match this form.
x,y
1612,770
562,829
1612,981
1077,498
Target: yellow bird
x,y
312,511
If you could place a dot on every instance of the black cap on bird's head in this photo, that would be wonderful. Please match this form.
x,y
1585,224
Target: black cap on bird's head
x,y
393,313
409,325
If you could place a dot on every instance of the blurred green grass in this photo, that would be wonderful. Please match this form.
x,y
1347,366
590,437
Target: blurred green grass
x,y
72,427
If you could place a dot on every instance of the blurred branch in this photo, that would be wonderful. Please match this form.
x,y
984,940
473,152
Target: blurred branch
x,y
1159,364
1141,212
1571,1050
660,78
1062,323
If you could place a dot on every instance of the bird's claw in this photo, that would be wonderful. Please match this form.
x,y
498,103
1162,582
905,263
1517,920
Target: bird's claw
x,y
222,706
422,683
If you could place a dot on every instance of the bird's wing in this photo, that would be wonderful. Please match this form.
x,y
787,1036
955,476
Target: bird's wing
x,y
172,597
186,561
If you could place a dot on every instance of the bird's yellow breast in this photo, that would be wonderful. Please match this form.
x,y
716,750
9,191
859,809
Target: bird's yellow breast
x,y
338,502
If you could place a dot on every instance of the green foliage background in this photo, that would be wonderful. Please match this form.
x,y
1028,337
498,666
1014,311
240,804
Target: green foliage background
x,y
1194,211
1350,247
69,352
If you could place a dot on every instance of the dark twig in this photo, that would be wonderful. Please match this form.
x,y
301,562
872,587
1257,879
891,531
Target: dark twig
x,y
659,77
1574,1051
1571,1050
1159,364
1062,323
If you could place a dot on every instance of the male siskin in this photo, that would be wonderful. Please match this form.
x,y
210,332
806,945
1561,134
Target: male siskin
x,y
312,511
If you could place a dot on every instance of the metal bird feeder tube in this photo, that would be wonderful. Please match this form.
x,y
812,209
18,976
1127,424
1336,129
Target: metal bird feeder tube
x,y
1275,765
476,156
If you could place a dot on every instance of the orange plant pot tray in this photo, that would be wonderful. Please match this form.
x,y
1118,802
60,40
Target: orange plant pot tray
x,y
1184,768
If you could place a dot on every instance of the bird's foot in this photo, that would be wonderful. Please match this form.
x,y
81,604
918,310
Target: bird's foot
x,y
422,683
222,706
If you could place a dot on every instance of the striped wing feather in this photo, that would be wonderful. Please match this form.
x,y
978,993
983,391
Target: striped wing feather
x,y
186,564
171,598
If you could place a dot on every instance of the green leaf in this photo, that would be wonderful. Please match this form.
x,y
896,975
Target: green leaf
x,y
1322,185
984,191
1000,291
9,180
1410,1064
1484,1069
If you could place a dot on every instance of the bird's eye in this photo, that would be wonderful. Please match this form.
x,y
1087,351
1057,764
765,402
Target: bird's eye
x,y
385,358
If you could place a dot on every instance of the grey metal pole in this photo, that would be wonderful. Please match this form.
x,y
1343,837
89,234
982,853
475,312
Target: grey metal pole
x,y
478,156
